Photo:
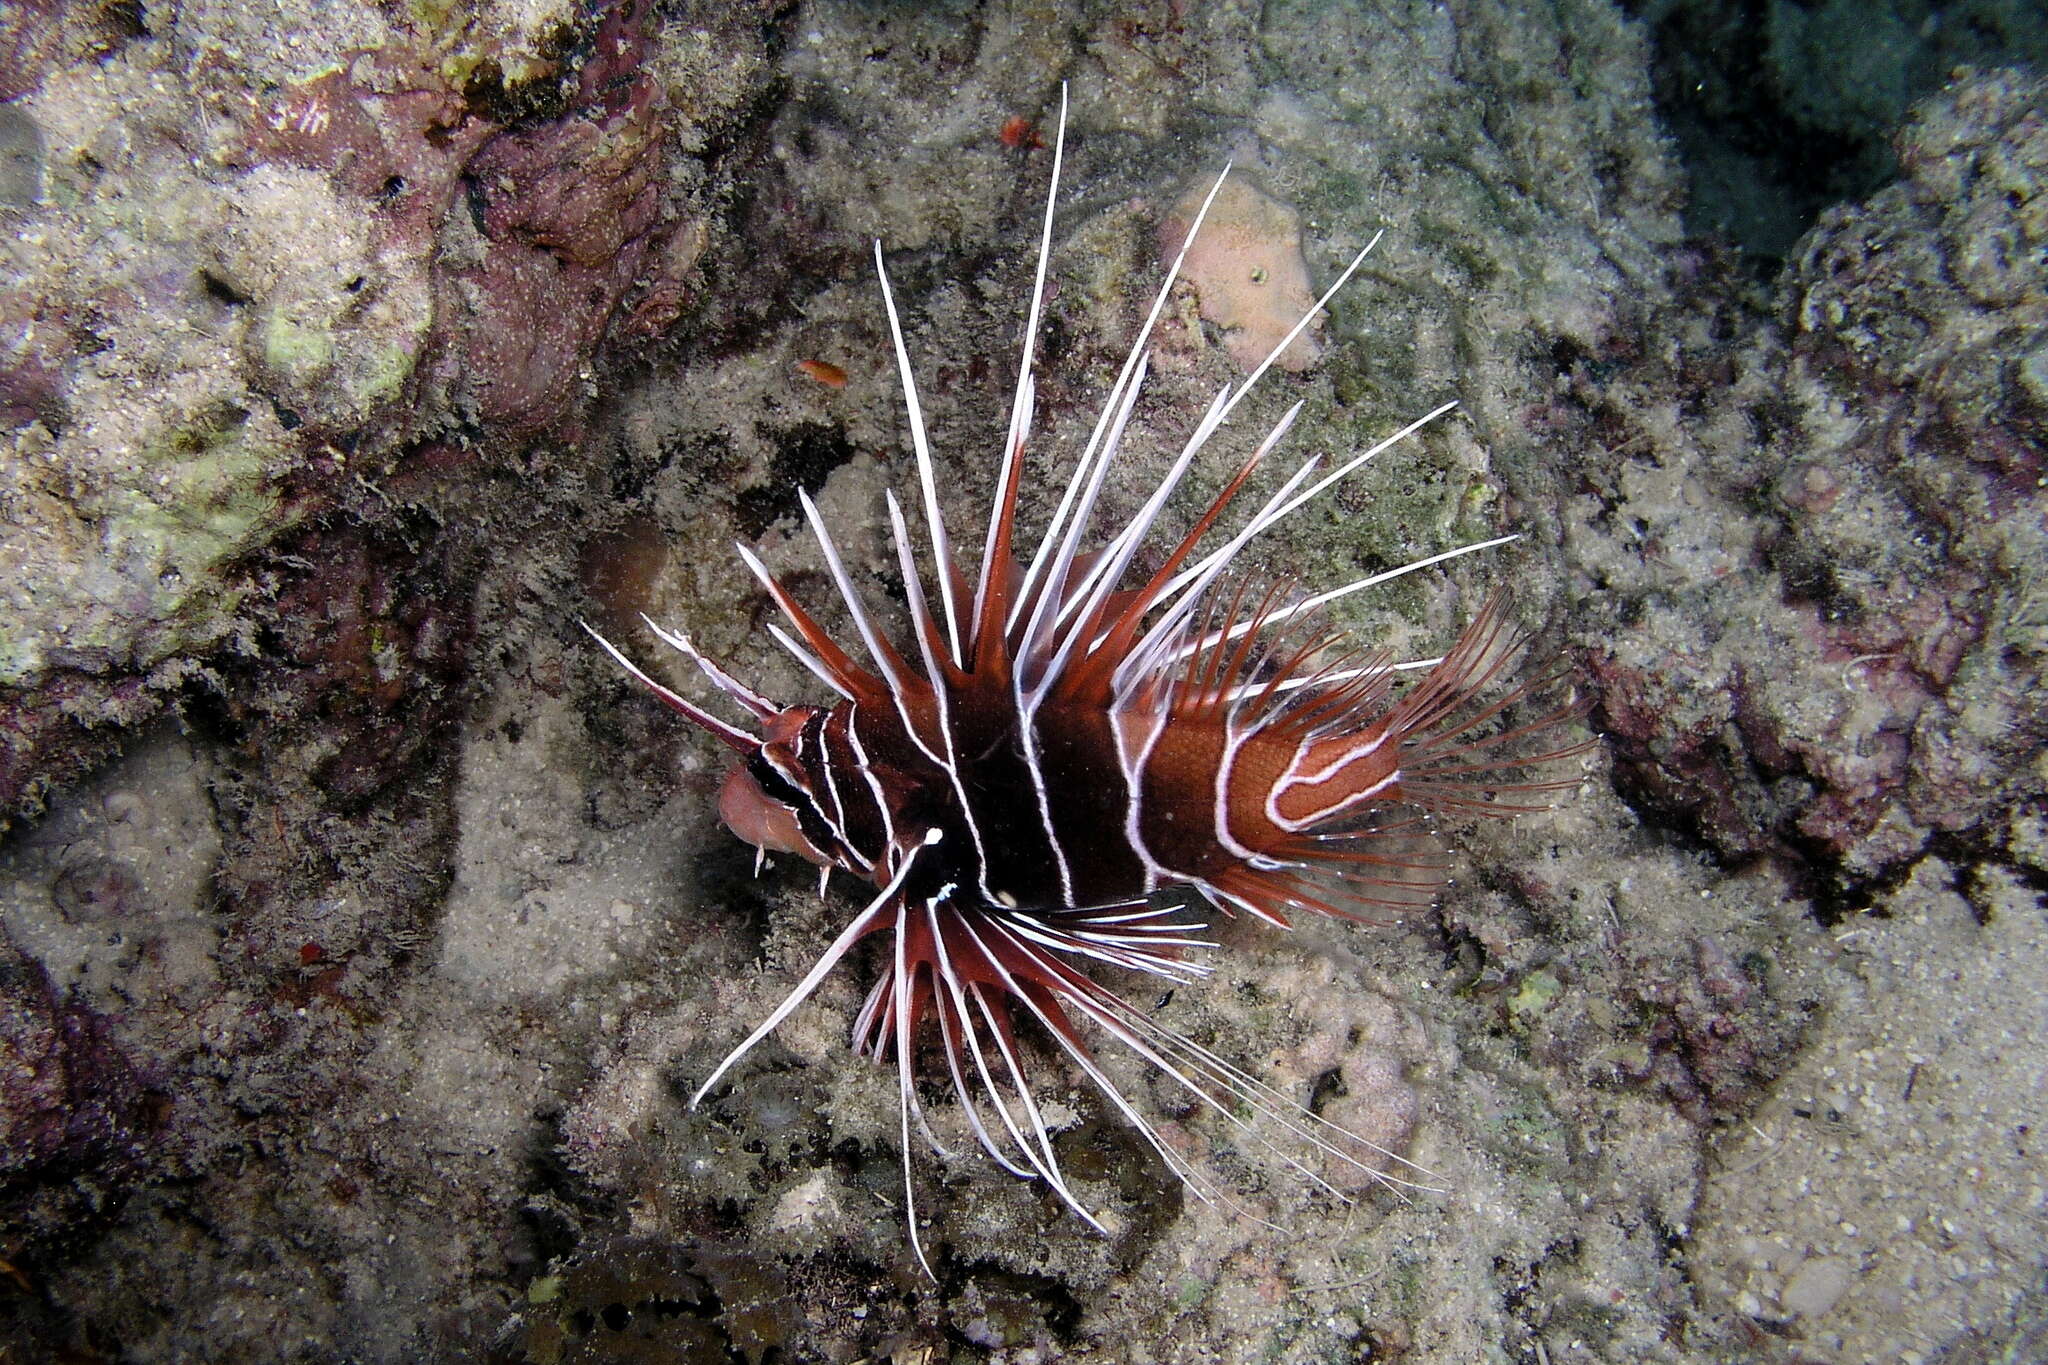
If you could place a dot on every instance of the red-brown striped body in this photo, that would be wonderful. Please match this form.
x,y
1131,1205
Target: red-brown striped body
x,y
1192,802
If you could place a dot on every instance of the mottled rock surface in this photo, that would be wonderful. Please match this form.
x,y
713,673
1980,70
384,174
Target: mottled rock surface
x,y
1817,637
274,269
351,1010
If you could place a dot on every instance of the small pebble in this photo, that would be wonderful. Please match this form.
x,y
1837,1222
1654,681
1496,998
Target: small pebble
x,y
1816,1286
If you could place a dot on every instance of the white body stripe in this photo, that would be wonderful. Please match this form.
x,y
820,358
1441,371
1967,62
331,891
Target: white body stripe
x,y
1233,745
1027,732
1293,778
867,772
1133,751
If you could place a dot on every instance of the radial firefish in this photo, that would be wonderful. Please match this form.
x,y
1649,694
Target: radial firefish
x,y
1060,741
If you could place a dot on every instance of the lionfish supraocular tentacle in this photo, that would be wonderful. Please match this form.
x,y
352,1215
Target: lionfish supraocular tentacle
x,y
1052,747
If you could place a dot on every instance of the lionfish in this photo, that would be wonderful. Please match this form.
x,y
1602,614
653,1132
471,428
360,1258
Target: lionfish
x,y
1056,745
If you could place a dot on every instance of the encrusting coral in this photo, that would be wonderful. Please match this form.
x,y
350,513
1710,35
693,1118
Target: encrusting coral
x,y
1246,268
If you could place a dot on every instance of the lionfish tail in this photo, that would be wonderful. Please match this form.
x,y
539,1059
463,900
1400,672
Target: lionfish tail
x,y
1454,742
1457,755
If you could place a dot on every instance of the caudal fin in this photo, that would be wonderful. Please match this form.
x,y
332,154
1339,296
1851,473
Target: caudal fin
x,y
1453,757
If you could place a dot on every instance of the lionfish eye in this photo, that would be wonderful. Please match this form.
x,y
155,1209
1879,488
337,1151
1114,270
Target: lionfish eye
x,y
773,784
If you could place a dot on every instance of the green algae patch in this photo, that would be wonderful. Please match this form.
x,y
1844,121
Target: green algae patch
x,y
21,651
204,499
298,351
337,370
1534,997
385,371
218,485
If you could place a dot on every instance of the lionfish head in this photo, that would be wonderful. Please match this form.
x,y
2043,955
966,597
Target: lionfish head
x,y
766,798
770,796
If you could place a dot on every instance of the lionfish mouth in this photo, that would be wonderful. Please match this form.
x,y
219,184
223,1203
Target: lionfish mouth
x,y
1057,745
